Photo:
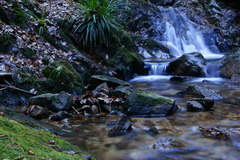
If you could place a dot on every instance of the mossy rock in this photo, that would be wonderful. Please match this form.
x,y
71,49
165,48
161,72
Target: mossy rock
x,y
6,42
61,76
25,76
148,104
21,18
28,53
18,142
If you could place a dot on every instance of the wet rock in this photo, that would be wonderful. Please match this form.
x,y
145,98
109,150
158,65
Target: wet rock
x,y
53,102
96,80
148,104
200,104
166,144
234,81
178,79
163,2
59,116
190,64
101,88
214,132
95,109
231,63
153,130
121,126
200,92
38,112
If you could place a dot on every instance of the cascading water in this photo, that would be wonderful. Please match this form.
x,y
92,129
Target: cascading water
x,y
181,37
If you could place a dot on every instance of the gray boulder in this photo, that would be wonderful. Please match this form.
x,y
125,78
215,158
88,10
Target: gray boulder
x,y
214,132
148,104
53,102
96,80
190,64
200,104
230,63
234,81
200,92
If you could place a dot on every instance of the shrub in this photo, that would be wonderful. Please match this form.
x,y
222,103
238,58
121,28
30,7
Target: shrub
x,y
98,21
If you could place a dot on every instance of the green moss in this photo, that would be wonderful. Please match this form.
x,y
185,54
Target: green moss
x,y
61,76
17,140
21,17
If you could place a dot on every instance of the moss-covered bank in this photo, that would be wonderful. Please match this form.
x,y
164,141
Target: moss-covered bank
x,y
18,142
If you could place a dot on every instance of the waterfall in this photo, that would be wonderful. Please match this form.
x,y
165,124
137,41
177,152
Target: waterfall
x,y
177,32
157,68
180,33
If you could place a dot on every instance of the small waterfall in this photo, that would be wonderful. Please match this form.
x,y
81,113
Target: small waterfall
x,y
177,32
180,33
157,68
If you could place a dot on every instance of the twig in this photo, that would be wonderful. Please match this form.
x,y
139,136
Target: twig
x,y
18,89
75,110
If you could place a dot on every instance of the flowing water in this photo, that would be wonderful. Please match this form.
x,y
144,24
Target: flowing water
x,y
91,133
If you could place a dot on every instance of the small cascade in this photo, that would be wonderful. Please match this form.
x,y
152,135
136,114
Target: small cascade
x,y
157,68
178,34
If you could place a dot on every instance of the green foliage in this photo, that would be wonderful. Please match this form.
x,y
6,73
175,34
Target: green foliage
x,y
16,142
98,21
21,17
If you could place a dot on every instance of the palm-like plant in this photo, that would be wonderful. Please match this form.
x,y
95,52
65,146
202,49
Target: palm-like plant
x,y
98,21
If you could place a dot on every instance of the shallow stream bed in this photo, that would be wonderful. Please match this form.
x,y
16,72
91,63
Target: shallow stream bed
x,y
91,133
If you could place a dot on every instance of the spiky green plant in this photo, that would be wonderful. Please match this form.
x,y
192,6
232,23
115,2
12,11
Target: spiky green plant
x,y
98,21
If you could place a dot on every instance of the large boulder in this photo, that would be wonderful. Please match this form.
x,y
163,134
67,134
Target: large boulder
x,y
148,104
200,92
200,104
96,80
230,63
191,64
53,102
234,81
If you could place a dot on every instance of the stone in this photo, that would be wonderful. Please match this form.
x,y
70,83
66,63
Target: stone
x,y
200,104
234,81
178,79
230,63
166,144
121,126
101,88
214,132
54,102
235,137
96,80
38,112
200,92
148,104
190,64
95,109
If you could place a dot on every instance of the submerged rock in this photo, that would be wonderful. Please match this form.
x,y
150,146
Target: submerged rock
x,y
178,79
121,126
38,112
214,132
166,144
53,102
200,92
200,104
148,104
59,116
235,137
191,64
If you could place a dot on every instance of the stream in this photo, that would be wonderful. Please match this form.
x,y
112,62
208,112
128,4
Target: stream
x,y
181,37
